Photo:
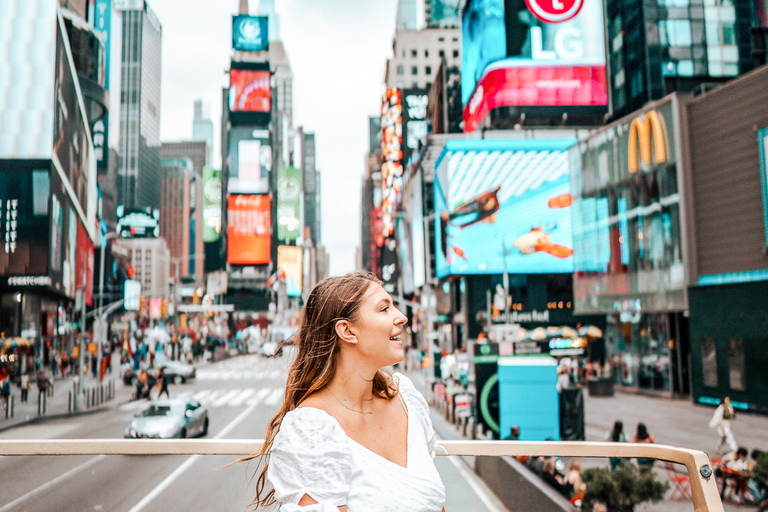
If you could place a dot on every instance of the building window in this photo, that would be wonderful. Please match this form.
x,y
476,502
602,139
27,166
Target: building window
x,y
414,70
441,39
414,53
400,70
442,53
675,32
455,54
736,376
426,53
636,84
455,39
428,70
709,362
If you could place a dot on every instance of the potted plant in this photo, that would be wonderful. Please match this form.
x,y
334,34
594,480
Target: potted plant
x,y
621,489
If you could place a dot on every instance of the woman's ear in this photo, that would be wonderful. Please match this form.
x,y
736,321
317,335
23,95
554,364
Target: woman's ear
x,y
344,331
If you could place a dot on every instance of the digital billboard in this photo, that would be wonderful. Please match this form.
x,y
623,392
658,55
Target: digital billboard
x,y
532,53
211,204
250,33
503,205
289,260
249,90
415,103
138,222
289,198
392,155
248,229
250,153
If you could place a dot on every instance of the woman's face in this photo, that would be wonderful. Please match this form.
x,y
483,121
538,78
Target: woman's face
x,y
379,327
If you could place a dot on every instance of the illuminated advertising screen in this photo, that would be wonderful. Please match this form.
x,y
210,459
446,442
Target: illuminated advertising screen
x,y
289,260
532,53
211,204
503,205
415,103
249,90
250,33
392,155
289,196
250,153
248,230
138,222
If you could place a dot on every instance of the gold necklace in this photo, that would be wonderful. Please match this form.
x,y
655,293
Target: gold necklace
x,y
348,407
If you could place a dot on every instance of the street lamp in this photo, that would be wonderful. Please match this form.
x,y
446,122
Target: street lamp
x,y
99,319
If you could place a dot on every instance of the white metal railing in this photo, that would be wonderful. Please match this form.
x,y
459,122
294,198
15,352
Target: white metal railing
x,y
702,480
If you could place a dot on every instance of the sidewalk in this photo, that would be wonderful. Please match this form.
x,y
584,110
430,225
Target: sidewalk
x,y
59,402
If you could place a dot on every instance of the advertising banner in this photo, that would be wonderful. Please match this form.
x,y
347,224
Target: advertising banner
x,y
28,46
132,295
289,260
138,222
250,33
532,53
415,103
249,90
503,206
392,153
289,195
24,210
84,264
248,230
250,154
211,204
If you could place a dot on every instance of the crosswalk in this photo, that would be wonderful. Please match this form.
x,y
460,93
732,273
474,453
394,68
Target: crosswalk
x,y
215,398
223,373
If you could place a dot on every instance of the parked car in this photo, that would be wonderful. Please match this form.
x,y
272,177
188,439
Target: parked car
x,y
169,418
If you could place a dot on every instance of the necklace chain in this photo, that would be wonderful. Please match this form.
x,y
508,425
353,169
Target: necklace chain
x,y
346,406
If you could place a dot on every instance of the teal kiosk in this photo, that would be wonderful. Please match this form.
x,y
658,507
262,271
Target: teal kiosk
x,y
528,398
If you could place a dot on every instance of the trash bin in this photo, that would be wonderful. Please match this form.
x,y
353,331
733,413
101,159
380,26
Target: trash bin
x,y
600,386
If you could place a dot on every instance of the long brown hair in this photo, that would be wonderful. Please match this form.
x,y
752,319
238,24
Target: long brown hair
x,y
333,299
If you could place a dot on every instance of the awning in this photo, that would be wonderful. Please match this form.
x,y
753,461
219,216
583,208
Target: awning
x,y
12,344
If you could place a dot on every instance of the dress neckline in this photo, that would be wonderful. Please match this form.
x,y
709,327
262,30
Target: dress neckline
x,y
408,435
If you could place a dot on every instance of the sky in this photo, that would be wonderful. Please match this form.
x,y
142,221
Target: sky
x,y
338,51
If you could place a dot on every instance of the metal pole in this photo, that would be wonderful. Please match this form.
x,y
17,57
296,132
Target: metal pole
x,y
81,350
97,320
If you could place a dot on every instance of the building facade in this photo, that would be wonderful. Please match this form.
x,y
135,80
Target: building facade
x,y
180,218
138,175
629,229
202,128
151,261
417,54
656,49
728,291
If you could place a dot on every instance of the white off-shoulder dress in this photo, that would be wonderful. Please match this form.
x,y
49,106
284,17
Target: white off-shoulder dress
x,y
311,454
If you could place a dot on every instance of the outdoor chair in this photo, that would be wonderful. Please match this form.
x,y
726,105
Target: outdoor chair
x,y
682,483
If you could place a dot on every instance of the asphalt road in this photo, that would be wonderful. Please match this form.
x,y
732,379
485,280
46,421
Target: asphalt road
x,y
242,394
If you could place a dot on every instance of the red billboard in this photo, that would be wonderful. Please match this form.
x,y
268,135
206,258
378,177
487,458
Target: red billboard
x,y
536,85
249,90
248,229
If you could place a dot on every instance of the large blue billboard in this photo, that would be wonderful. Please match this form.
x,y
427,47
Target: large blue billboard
x,y
503,205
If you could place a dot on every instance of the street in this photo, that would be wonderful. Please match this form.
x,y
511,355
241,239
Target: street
x,y
241,395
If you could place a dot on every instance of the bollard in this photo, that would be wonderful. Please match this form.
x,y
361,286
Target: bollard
x,y
69,402
43,402
39,403
10,405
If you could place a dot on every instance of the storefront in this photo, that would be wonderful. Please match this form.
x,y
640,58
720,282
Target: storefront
x,y
628,243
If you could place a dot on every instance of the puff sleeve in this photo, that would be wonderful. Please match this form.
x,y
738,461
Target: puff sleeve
x,y
416,401
310,455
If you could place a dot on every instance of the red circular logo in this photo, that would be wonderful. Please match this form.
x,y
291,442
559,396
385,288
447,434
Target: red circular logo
x,y
554,11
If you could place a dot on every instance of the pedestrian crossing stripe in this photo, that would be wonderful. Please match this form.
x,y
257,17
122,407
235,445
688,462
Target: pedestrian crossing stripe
x,y
224,374
215,398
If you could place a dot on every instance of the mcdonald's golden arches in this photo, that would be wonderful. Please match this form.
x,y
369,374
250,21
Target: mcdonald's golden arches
x,y
652,135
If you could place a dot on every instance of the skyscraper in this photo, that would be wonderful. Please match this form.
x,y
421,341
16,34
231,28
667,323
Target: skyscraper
x,y
202,128
138,171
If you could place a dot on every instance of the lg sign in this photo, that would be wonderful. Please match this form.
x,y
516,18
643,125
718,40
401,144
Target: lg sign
x,y
554,11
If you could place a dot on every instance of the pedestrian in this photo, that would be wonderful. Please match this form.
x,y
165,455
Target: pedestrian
x,y
42,383
616,435
643,436
5,391
162,379
721,420
514,434
573,487
342,436
24,387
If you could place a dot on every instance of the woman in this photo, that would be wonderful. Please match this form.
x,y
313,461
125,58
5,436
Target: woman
x,y
616,435
349,436
643,436
721,419
573,487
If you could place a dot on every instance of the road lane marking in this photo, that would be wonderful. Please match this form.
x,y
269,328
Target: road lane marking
x,y
239,399
55,481
188,463
225,398
274,398
261,395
